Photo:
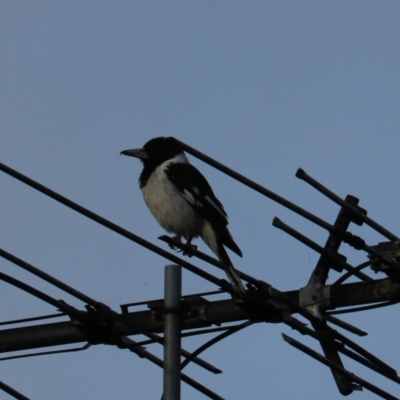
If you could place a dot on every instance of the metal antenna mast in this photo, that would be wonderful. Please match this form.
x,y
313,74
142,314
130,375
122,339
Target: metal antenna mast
x,y
172,332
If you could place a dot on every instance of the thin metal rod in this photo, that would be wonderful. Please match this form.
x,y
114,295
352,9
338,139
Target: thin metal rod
x,y
249,183
214,340
110,225
142,353
333,257
366,363
196,360
59,304
198,332
333,333
364,308
207,331
301,174
12,392
48,278
206,258
125,307
29,289
343,371
345,325
20,321
366,354
172,332
348,274
47,353
304,330
347,236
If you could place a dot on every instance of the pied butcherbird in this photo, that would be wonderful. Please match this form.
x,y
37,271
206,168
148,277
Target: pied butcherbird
x,y
182,201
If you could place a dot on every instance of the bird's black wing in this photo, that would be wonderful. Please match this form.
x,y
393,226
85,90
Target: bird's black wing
x,y
195,189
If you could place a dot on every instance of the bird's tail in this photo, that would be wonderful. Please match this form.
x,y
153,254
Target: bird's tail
x,y
231,273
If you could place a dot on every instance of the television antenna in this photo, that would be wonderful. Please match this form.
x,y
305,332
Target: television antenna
x,y
310,310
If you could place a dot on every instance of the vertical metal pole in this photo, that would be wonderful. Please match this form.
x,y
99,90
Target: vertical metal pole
x,y
172,332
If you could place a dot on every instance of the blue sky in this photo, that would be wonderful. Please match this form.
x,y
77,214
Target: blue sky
x,y
265,87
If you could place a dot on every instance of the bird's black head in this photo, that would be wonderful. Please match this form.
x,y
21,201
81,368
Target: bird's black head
x,y
162,148
154,152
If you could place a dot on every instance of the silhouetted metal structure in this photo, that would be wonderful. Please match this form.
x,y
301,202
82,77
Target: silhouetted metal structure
x,y
196,314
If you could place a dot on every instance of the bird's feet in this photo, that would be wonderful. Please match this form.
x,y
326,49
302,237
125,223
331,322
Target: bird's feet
x,y
177,241
189,253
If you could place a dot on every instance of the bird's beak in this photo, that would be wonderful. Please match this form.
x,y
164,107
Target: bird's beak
x,y
138,153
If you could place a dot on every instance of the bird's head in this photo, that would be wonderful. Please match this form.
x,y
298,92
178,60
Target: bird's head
x,y
156,150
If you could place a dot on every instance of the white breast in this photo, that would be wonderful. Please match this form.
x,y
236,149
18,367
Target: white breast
x,y
168,206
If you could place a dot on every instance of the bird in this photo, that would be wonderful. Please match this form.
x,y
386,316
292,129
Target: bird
x,y
183,202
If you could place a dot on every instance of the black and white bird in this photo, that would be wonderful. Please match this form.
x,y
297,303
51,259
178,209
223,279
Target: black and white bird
x,y
182,201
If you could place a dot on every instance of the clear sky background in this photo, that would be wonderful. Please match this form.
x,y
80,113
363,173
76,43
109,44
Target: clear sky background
x,y
265,87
